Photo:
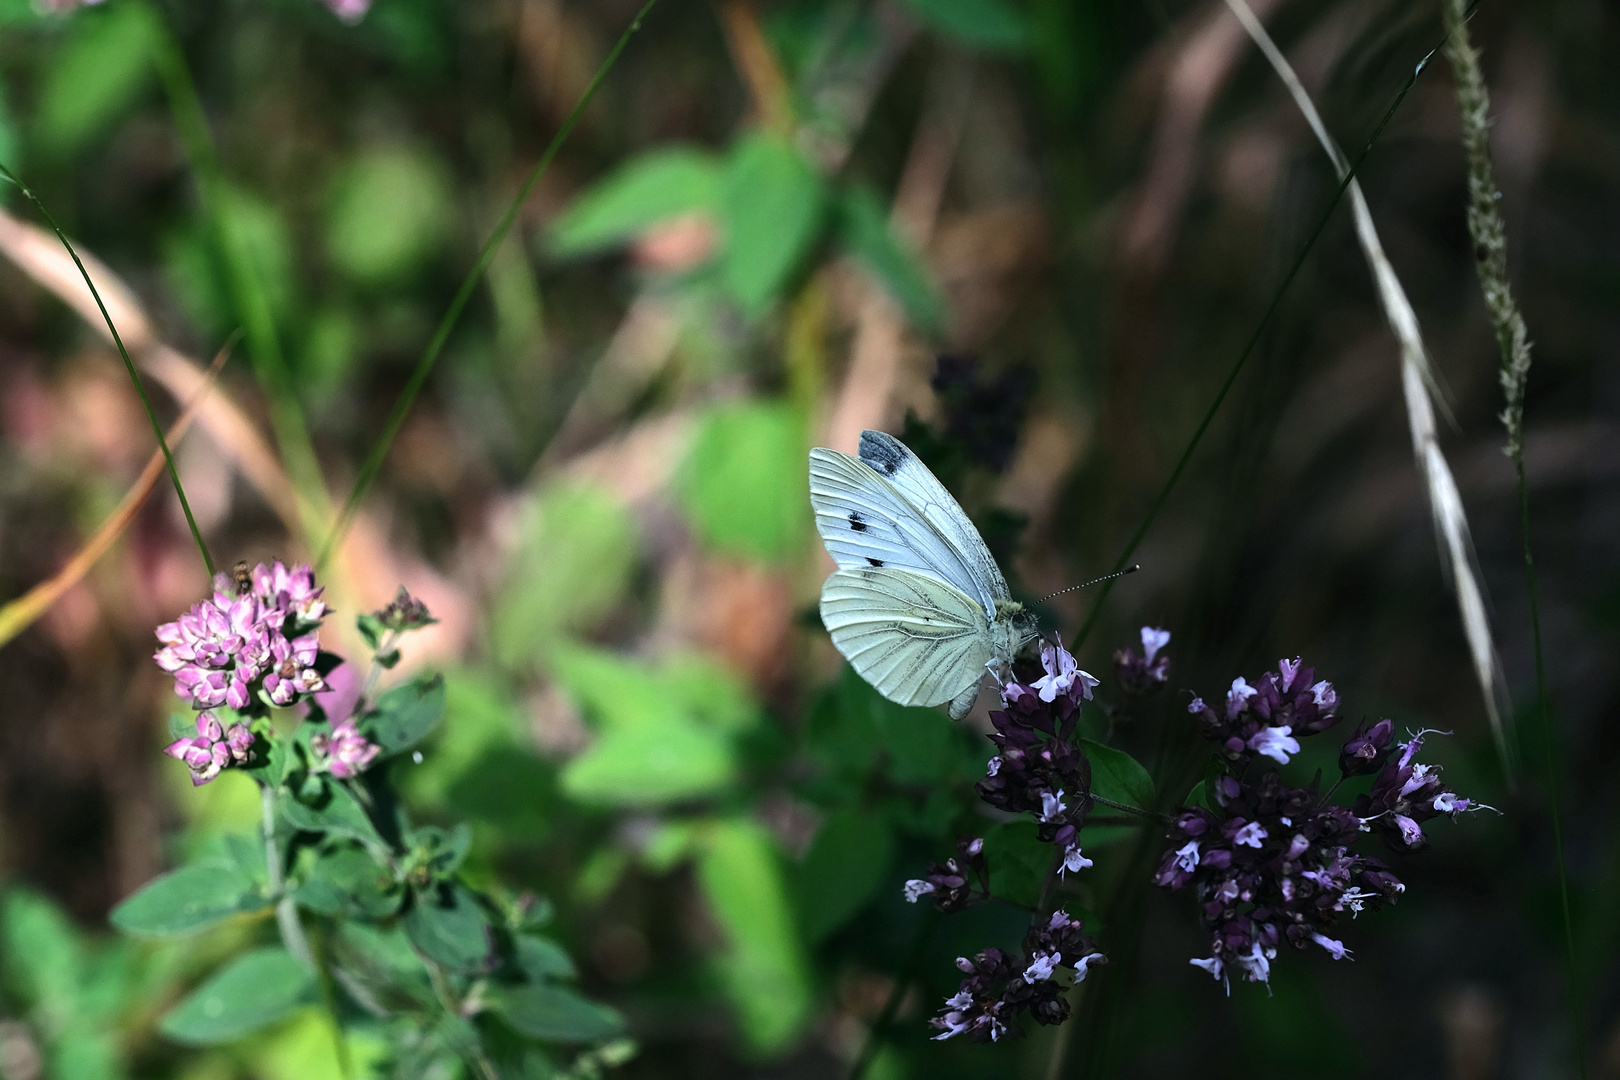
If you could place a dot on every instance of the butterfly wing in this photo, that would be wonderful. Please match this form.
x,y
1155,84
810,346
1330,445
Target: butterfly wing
x,y
918,640
893,460
867,521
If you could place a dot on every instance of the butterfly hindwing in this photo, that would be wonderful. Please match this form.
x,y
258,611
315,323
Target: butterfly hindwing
x,y
916,639
865,520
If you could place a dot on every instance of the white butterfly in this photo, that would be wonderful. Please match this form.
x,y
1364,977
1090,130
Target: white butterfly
x,y
917,605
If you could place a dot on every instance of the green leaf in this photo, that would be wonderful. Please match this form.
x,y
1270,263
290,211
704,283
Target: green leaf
x,y
743,482
771,208
764,966
863,227
1117,776
390,212
333,809
656,765
576,550
446,925
187,900
987,24
709,693
44,956
654,187
252,992
96,77
406,714
1196,796
541,959
555,1014
348,881
1019,861
842,870
651,749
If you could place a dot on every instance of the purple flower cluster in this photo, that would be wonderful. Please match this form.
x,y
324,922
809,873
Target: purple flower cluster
x,y
213,749
404,612
950,883
1273,864
1405,795
1041,770
1267,719
252,643
1145,672
998,987
345,753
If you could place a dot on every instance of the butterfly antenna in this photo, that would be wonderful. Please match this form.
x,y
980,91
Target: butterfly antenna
x,y
1131,569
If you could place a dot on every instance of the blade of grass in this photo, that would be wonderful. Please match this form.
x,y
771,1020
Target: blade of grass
x,y
402,406
129,365
247,290
1163,494
1489,233
1418,388
20,614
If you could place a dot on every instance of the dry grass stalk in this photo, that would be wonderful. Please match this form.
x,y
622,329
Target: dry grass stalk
x,y
1419,389
20,614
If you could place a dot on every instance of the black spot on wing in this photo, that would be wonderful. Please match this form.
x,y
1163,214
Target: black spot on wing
x,y
874,562
882,452
857,522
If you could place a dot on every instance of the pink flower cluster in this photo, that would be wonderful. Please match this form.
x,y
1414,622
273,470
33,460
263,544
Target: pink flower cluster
x,y
256,632
213,749
345,753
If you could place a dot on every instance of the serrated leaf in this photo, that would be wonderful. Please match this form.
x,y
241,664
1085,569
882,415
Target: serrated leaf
x,y
252,992
649,189
985,24
863,227
1117,776
187,900
446,925
554,1013
406,715
772,205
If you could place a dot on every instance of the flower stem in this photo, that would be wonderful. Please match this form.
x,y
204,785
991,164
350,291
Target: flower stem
x,y
292,931
1135,811
1489,234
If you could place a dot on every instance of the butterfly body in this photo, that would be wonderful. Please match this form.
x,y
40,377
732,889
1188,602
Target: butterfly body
x,y
917,605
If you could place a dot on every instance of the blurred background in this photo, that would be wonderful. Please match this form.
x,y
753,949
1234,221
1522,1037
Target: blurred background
x,y
765,231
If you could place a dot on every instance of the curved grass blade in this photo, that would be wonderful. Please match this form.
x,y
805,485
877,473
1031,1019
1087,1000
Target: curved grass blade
x,y
1418,388
129,365
1163,494
379,450
20,614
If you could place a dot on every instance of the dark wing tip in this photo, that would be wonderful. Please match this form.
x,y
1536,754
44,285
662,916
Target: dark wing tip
x,y
883,452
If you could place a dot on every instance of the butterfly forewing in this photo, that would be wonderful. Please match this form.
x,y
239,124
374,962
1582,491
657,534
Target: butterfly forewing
x,y
893,460
918,640
865,520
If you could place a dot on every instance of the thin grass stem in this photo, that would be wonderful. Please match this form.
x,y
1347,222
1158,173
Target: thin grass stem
x,y
1163,494
247,289
402,406
1489,233
129,366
